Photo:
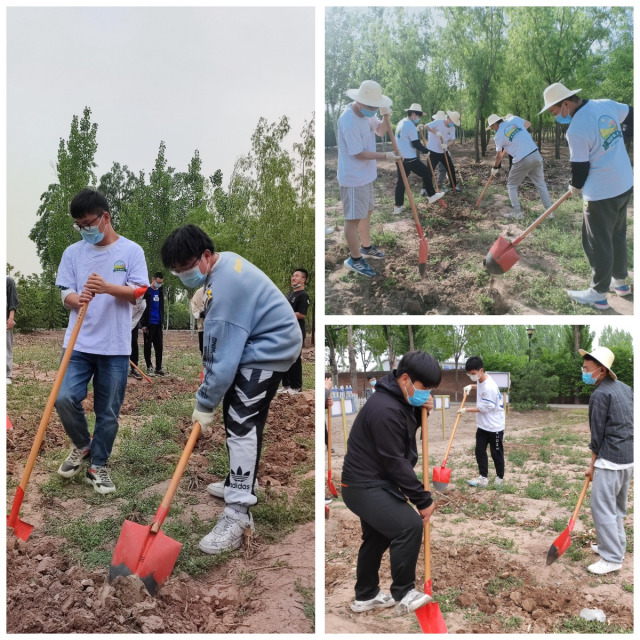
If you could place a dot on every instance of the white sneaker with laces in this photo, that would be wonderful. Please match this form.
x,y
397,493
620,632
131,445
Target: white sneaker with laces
x,y
74,461
100,479
602,567
412,601
227,534
397,210
282,390
480,481
498,482
381,601
591,297
435,197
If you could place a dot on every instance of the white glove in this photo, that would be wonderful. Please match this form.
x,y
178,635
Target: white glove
x,y
468,389
463,410
205,418
385,111
420,127
494,171
575,191
392,156
445,146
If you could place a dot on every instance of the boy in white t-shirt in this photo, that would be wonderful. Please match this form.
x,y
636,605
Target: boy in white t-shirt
x,y
489,421
601,173
107,272
441,132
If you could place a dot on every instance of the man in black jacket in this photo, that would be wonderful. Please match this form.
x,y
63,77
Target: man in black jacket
x,y
378,478
151,323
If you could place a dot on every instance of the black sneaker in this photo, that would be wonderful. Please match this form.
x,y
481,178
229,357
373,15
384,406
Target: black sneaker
x,y
99,478
160,372
134,374
72,465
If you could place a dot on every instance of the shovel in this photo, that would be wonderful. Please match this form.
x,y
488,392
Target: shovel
x,y
442,475
429,616
139,370
563,541
475,206
146,551
433,175
502,255
330,484
423,251
20,528
446,160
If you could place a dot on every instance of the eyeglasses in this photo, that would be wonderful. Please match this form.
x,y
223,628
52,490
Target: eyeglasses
x,y
585,370
88,225
177,272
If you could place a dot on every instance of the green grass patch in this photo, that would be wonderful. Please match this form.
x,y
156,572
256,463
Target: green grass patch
x,y
575,553
503,543
385,239
447,599
308,602
518,457
544,455
218,461
559,524
498,585
511,623
628,587
576,624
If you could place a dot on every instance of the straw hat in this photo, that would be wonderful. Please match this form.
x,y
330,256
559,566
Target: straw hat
x,y
455,117
415,107
604,356
441,115
370,94
492,119
555,93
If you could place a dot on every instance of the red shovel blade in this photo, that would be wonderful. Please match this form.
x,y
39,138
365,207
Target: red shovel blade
x,y
501,257
9,425
150,556
560,544
423,254
429,616
441,475
331,486
21,529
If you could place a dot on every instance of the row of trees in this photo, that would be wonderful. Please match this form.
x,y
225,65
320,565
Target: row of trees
x,y
265,212
478,60
549,370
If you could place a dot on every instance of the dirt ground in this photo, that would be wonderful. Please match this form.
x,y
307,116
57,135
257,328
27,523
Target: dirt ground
x,y
48,593
482,538
459,239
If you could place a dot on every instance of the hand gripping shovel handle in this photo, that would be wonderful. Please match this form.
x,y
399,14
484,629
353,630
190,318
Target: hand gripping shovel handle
x,y
453,433
482,194
163,509
534,224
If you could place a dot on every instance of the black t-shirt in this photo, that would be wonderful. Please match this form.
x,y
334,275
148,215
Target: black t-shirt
x,y
299,300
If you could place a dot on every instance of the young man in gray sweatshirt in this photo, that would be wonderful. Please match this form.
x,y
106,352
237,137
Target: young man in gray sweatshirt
x,y
251,338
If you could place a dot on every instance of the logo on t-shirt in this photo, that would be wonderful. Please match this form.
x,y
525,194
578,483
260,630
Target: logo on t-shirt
x,y
511,131
609,130
119,265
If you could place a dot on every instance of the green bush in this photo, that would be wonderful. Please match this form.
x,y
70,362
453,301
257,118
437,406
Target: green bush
x,y
533,386
178,315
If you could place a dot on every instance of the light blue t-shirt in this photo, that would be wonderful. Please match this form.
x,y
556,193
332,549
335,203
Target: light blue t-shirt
x,y
594,135
513,137
356,134
406,132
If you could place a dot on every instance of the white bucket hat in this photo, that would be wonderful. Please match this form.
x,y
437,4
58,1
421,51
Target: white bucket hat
x,y
492,119
455,117
370,94
555,93
441,115
415,107
603,355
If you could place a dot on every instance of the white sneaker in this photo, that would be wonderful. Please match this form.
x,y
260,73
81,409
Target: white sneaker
x,y
620,287
294,392
227,534
74,462
498,482
594,548
381,601
480,481
282,390
397,210
591,297
602,566
216,489
435,197
513,215
9,381
423,192
412,601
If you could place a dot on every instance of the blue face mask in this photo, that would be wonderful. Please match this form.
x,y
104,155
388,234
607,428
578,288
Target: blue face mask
x,y
451,124
587,378
415,120
419,397
563,120
156,285
193,278
92,235
368,112
372,382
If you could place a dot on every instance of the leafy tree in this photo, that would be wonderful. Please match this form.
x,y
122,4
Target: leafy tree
x,y
611,337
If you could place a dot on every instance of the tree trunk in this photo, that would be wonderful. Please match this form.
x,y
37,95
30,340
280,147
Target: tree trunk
x,y
411,347
576,346
558,128
475,137
352,358
332,356
540,132
392,355
483,137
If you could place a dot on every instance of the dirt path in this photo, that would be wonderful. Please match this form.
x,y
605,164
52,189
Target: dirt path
x,y
489,548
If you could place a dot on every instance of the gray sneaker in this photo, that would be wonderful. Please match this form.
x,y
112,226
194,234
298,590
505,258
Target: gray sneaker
x,y
227,534
381,601
372,252
72,465
514,215
151,371
99,478
480,481
412,601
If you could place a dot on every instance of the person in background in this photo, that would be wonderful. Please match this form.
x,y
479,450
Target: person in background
x,y
12,305
151,323
371,387
138,310
198,312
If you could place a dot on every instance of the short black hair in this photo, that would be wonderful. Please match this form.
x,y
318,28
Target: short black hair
x,y
304,272
421,366
158,274
185,244
418,113
370,375
327,375
88,201
474,363
573,98
589,357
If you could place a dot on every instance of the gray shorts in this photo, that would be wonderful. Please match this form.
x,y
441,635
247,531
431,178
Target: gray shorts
x,y
357,201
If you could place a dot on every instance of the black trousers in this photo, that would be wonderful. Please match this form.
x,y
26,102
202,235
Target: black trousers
x,y
388,522
135,352
494,440
153,336
420,169
200,340
437,158
293,377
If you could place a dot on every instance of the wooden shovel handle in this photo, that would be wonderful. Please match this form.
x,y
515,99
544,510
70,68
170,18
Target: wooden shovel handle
x,y
329,441
583,493
533,225
414,210
455,426
446,159
48,410
139,370
163,509
485,188
433,174
425,482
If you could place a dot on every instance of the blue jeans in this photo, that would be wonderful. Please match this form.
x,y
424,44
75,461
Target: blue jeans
x,y
109,383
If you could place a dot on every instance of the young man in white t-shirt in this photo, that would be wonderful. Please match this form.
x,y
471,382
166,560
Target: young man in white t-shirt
x,y
601,173
513,138
441,132
107,272
489,421
357,156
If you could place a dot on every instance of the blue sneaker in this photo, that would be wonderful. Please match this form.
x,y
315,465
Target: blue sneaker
x,y
591,297
372,252
620,287
360,266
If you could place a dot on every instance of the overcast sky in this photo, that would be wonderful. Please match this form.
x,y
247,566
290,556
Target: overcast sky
x,y
197,78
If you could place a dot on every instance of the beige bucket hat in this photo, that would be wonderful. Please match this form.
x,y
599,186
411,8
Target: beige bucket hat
x,y
370,94
455,117
415,107
441,115
556,92
603,355
492,119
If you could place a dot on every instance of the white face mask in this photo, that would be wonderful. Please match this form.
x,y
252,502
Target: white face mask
x,y
474,378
